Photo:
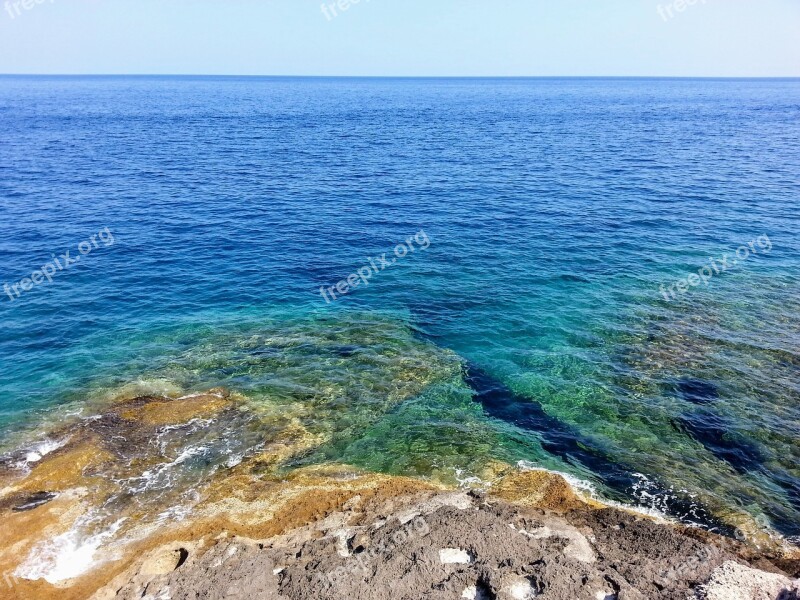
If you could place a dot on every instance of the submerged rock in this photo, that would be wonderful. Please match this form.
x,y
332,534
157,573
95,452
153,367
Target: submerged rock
x,y
698,391
24,501
34,501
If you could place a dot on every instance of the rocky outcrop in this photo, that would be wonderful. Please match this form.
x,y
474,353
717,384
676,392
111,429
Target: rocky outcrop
x,y
457,545
734,581
145,500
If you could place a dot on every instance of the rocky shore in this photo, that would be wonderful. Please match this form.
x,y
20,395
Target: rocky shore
x,y
256,531
380,538
456,545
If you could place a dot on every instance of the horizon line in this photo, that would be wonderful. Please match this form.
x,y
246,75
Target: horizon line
x,y
770,77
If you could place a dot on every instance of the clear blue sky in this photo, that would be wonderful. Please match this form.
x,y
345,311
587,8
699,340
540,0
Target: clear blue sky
x,y
403,37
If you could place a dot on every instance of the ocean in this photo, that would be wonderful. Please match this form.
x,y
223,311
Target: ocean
x,y
592,276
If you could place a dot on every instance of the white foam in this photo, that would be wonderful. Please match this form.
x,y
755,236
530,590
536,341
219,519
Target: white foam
x,y
187,454
161,477
66,556
39,450
163,438
466,481
201,395
179,512
588,490
234,460
195,424
580,485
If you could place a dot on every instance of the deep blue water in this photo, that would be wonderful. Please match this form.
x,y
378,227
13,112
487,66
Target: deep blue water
x,y
555,210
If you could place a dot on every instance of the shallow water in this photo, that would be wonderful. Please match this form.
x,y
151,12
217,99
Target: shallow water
x,y
532,328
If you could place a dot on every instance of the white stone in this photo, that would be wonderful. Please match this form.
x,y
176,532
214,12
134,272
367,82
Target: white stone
x,y
579,547
522,590
452,556
473,593
459,500
733,581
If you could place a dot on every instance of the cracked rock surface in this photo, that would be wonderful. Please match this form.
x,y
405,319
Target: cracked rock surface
x,y
461,545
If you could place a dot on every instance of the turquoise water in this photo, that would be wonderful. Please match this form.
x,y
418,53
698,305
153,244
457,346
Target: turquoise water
x,y
533,326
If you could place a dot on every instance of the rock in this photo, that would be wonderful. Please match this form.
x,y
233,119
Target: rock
x,y
522,589
734,581
35,500
323,534
454,556
470,553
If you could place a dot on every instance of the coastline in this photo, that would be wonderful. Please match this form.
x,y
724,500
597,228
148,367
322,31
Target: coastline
x,y
325,534
518,525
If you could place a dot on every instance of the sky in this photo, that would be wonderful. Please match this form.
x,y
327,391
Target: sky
x,y
719,38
